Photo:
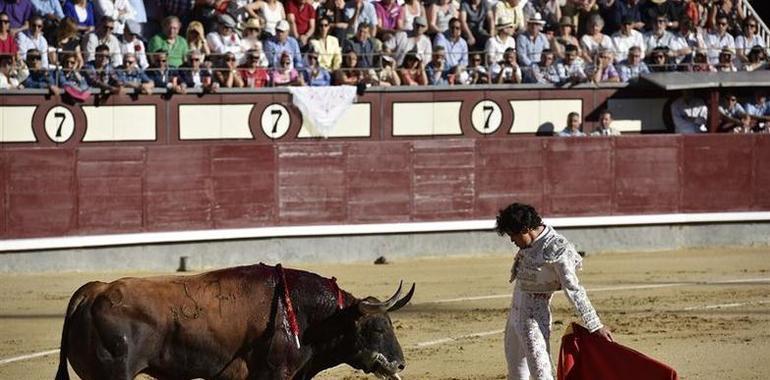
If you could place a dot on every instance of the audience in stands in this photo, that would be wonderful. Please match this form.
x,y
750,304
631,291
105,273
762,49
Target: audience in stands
x,y
82,11
633,66
689,114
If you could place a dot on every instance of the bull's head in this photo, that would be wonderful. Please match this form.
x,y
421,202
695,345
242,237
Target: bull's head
x,y
376,346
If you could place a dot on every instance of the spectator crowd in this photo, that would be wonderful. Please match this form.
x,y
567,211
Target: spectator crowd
x,y
115,45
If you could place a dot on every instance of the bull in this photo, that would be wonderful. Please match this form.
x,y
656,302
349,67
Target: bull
x,y
249,322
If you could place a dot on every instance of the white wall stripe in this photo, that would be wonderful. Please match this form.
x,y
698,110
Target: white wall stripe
x,y
362,229
725,305
447,340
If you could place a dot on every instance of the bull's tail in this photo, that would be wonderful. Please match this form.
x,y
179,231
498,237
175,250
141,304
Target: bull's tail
x,y
80,295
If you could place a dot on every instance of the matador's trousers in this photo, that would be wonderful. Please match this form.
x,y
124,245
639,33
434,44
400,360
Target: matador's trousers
x,y
527,332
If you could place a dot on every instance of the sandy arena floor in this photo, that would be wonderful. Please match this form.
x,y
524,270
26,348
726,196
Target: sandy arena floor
x,y
704,312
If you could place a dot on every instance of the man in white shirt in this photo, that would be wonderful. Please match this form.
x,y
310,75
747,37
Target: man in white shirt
x,y
626,38
659,36
605,127
689,114
497,45
225,40
719,39
103,36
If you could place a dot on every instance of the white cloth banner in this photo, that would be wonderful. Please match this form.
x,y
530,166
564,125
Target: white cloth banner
x,y
321,107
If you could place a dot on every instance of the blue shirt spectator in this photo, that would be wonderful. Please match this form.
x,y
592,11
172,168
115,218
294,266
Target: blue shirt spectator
x,y
281,42
39,79
622,10
87,22
363,45
317,76
48,7
530,44
454,44
367,14
19,12
760,107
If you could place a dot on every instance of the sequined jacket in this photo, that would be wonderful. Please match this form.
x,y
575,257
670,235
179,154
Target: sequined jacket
x,y
549,264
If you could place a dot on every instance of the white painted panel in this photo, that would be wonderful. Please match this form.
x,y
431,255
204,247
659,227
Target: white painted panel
x,y
529,116
120,123
214,121
635,115
426,119
16,124
355,122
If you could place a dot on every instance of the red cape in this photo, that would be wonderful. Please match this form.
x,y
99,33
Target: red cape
x,y
585,356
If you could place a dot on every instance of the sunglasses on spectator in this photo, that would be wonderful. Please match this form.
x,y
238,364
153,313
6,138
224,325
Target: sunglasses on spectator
x,y
163,60
254,57
5,21
195,59
38,26
34,57
732,99
109,27
130,62
722,23
230,59
752,25
324,24
455,27
69,62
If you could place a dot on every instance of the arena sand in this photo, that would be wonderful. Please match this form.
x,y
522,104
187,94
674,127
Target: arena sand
x,y
694,320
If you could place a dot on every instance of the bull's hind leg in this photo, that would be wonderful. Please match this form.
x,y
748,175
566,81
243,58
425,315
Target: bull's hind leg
x,y
115,344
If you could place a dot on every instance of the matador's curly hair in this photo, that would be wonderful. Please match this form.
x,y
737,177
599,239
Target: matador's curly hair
x,y
517,218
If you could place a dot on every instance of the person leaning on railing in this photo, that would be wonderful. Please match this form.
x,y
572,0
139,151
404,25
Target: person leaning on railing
x,y
285,73
253,73
100,73
194,74
130,75
226,72
507,70
412,71
313,74
39,75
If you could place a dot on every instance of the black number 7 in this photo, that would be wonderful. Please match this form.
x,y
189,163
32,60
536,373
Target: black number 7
x,y
63,117
491,111
275,124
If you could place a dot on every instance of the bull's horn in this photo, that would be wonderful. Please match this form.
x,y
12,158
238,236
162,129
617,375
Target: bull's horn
x,y
371,307
403,301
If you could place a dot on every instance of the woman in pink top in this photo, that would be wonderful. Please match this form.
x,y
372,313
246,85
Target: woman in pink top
x,y
285,74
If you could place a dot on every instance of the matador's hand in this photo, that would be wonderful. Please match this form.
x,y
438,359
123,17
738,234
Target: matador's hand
x,y
604,332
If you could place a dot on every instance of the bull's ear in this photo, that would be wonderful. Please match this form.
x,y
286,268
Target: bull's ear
x,y
368,306
400,303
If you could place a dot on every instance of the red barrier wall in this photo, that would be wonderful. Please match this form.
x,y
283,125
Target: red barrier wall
x,y
113,189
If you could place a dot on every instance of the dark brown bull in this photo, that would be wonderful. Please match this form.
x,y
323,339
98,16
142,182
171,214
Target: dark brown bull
x,y
226,324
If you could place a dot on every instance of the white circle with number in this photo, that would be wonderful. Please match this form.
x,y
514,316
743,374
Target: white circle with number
x,y
59,124
275,121
486,117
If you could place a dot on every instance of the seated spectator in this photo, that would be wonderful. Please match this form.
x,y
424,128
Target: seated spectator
x,y
52,13
170,41
757,59
388,76
565,37
284,74
687,40
364,45
193,74
271,11
39,76
103,37
622,12
550,10
69,74
282,42
633,66
253,72
689,114
414,41
348,73
548,71
574,65
655,9
33,38
507,70
439,14
730,112
334,11
8,45
728,10
9,75
132,43
361,12
626,38
658,61
659,37
437,69
500,43
718,39
82,11
476,73
511,10
454,45
605,127
745,42
252,39
130,75
160,73
326,46
759,110
412,72
19,13
476,21
301,17
314,74
530,44
67,40
574,126
744,126
410,10
225,39
196,38
726,61
227,74
120,10
700,63
100,73
595,40
389,15
602,70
